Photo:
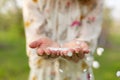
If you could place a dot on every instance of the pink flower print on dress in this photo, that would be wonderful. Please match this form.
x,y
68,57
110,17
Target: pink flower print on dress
x,y
91,19
89,76
68,4
76,23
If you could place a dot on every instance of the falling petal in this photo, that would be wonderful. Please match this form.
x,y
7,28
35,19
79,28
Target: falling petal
x,y
100,51
96,64
69,54
60,70
85,70
75,23
33,51
118,74
89,58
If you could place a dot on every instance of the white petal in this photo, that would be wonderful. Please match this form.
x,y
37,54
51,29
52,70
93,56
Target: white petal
x,y
33,51
118,74
61,70
89,58
96,64
100,51
69,54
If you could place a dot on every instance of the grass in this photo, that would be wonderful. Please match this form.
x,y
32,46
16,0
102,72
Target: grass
x,y
14,65
13,59
13,62
109,61
109,65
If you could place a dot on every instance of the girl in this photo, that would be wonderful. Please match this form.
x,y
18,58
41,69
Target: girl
x,y
61,36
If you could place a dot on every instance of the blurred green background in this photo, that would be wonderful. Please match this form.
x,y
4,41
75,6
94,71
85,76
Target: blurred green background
x,y
13,59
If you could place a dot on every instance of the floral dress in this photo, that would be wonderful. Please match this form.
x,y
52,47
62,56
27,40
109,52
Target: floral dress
x,y
62,21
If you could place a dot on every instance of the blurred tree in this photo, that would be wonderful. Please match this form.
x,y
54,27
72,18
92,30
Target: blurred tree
x,y
11,16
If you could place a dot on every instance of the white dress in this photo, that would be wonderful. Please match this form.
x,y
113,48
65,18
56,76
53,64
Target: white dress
x,y
62,21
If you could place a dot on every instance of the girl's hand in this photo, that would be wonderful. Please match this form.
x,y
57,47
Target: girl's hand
x,y
77,48
42,46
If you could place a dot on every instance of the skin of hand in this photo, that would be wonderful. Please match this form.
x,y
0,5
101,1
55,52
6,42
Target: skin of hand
x,y
42,46
78,48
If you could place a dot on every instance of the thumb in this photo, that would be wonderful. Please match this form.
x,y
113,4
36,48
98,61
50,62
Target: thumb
x,y
85,47
35,44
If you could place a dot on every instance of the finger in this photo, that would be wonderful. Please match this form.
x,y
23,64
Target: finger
x,y
86,51
47,51
61,52
77,50
84,46
80,50
40,51
80,55
53,53
58,52
35,44
64,53
72,50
